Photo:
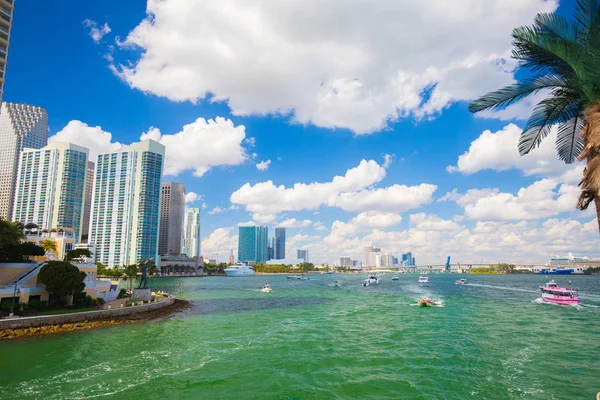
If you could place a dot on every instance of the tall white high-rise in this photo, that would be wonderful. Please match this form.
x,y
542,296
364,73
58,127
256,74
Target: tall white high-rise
x,y
191,232
172,204
6,17
87,203
124,220
50,187
21,126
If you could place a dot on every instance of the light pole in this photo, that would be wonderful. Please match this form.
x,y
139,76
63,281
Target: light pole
x,y
12,305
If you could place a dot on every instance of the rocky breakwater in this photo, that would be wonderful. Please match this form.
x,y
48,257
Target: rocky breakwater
x,y
92,321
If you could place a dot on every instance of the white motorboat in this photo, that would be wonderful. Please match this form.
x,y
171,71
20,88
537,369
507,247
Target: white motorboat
x,y
423,279
371,280
395,278
300,277
461,282
266,288
239,269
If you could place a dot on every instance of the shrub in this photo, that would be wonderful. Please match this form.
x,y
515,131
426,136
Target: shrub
x,y
122,293
100,301
35,305
43,305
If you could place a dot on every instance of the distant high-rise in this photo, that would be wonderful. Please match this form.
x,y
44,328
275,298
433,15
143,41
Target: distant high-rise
x,y
6,16
346,261
191,232
172,204
368,249
87,202
386,259
126,204
407,259
50,187
231,258
303,255
279,247
21,126
252,244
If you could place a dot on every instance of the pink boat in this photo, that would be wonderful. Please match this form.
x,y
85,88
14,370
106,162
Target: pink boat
x,y
552,293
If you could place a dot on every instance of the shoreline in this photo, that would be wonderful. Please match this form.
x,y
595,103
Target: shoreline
x,y
51,329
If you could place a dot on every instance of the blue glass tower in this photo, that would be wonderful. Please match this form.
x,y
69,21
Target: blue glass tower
x,y
253,244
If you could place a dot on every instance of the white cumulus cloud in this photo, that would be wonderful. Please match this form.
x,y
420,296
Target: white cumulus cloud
x,y
379,61
294,223
192,197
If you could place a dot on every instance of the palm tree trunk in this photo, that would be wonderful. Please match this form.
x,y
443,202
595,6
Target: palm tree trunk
x,y
590,183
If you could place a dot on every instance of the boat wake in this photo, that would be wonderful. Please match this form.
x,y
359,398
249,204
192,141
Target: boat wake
x,y
503,288
539,300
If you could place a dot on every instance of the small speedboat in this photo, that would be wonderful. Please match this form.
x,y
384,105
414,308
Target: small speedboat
x,y
266,288
371,280
552,293
426,303
395,278
461,282
336,284
423,279
298,277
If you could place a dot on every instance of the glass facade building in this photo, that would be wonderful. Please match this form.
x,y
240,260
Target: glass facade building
x,y
191,232
50,187
279,246
124,220
253,244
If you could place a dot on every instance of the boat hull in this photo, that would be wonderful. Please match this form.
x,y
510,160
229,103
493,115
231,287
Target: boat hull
x,y
564,300
239,273
556,272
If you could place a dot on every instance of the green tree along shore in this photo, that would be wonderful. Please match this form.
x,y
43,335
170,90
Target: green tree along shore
x,y
282,269
501,268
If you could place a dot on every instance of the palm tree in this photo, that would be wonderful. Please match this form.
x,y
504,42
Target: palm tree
x,y
11,233
560,56
131,272
49,245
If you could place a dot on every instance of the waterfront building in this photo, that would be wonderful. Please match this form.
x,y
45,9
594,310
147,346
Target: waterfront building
x,y
357,264
231,258
172,204
89,247
6,17
126,204
368,249
50,187
252,244
303,254
181,264
279,245
87,200
21,126
408,260
374,259
270,253
346,261
386,259
64,238
191,232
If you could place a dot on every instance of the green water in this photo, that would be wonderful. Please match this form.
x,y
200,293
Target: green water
x,y
308,340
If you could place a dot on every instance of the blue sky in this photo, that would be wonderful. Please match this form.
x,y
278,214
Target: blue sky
x,y
315,90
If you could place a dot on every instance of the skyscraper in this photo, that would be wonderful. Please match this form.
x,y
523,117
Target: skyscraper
x,y
50,187
303,255
21,126
345,261
172,203
407,259
252,244
368,249
126,204
87,202
6,14
231,258
279,247
191,232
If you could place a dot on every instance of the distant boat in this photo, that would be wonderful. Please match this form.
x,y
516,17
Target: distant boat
x,y
395,278
371,280
461,282
239,269
336,284
555,271
423,279
426,303
298,277
552,293
266,288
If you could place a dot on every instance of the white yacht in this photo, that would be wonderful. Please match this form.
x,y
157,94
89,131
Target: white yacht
x,y
423,279
239,269
371,280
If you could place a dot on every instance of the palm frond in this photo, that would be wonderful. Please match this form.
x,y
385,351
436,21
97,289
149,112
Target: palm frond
x,y
568,141
548,112
587,14
515,92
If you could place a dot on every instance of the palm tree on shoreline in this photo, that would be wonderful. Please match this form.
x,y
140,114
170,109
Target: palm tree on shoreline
x,y
560,56
49,246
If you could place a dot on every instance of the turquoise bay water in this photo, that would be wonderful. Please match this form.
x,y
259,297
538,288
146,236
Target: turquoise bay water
x,y
308,340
